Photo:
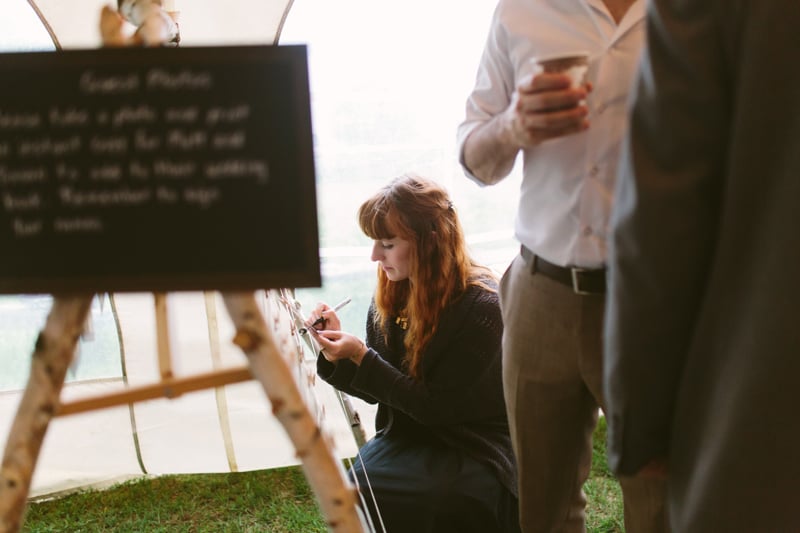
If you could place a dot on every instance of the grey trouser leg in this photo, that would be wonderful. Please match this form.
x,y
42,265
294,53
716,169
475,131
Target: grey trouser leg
x,y
552,376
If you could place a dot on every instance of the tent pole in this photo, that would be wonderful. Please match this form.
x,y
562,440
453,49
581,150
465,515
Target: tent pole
x,y
219,392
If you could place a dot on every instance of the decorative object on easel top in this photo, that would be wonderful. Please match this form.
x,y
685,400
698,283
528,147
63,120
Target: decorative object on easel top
x,y
156,23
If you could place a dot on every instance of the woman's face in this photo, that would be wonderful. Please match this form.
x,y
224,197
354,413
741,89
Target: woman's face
x,y
393,255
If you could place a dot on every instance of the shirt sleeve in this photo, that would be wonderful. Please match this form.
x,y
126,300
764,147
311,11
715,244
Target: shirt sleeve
x,y
340,375
494,85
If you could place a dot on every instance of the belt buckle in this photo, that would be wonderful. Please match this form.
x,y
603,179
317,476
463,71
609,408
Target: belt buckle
x,y
576,286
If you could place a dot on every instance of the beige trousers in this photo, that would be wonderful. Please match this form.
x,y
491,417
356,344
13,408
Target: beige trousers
x,y
552,377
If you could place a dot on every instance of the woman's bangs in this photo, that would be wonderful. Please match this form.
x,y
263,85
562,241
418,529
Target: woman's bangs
x,y
374,220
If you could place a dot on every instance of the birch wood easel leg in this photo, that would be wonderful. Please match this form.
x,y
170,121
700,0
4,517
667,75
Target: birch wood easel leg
x,y
54,351
325,474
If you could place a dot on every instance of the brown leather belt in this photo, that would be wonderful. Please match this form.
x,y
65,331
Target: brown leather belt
x,y
581,280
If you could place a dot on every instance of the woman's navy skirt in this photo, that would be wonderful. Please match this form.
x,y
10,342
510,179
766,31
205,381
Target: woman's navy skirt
x,y
424,487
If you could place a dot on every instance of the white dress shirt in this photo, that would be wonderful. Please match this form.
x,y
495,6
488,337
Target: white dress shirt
x,y
568,183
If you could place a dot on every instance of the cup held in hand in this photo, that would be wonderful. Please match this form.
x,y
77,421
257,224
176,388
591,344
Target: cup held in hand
x,y
573,64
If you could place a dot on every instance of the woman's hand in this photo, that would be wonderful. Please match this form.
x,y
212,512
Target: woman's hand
x,y
327,314
336,345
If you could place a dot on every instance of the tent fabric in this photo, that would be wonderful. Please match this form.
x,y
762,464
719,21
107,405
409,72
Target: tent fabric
x,y
74,24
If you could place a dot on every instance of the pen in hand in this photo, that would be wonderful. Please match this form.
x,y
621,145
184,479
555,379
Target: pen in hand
x,y
321,320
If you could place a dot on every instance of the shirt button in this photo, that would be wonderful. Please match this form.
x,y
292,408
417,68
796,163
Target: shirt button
x,y
594,171
587,231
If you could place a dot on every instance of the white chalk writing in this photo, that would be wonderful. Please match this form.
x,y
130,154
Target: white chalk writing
x,y
93,83
182,80
26,175
78,224
202,196
70,116
187,115
19,120
72,197
168,168
141,114
26,228
237,168
229,115
47,146
22,201
138,139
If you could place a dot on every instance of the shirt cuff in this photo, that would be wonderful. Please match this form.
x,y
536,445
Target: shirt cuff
x,y
464,131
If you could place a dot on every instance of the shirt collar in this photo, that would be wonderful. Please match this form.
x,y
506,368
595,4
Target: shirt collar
x,y
634,15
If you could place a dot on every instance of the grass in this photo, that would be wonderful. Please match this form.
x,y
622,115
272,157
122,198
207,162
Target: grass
x,y
276,501
603,493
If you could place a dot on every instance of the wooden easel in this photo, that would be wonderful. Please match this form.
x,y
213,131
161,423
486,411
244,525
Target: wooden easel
x,y
56,344
168,386
55,348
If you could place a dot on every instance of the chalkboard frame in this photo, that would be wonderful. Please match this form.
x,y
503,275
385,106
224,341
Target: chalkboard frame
x,y
299,225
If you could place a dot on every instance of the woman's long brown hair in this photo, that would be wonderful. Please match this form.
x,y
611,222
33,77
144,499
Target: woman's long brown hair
x,y
440,268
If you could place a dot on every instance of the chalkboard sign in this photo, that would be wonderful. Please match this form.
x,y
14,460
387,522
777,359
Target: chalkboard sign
x,y
156,169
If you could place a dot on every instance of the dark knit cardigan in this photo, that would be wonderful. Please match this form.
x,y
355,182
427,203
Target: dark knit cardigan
x,y
459,399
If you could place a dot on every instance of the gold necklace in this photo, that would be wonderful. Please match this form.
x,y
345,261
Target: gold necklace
x,y
402,322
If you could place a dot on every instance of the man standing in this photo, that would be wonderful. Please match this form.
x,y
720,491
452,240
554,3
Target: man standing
x,y
552,295
703,330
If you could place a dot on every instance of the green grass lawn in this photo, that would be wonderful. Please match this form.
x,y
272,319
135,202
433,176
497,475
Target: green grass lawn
x,y
278,501
604,496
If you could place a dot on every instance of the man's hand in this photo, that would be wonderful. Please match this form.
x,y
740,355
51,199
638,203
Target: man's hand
x,y
546,107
